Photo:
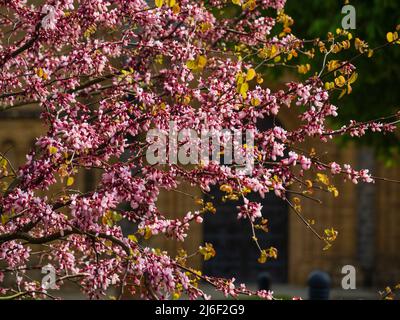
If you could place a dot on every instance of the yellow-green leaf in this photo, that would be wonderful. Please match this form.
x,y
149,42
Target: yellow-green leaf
x,y
191,64
304,68
201,62
255,102
132,237
207,251
70,181
331,234
176,9
148,233
159,3
3,163
171,3
340,81
53,150
4,218
390,37
244,87
263,257
197,64
274,50
40,72
176,295
323,178
333,190
250,4
239,78
251,73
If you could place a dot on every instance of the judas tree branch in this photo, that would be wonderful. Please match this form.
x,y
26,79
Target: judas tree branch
x,y
60,235
23,48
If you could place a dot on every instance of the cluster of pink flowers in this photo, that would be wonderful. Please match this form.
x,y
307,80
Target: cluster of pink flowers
x,y
103,73
250,210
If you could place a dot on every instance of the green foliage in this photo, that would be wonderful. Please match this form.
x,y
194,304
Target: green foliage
x,y
376,91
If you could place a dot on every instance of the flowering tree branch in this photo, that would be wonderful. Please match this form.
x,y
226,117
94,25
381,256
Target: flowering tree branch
x,y
104,75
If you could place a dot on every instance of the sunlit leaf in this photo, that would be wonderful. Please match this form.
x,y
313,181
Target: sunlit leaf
x,y
251,73
159,3
70,181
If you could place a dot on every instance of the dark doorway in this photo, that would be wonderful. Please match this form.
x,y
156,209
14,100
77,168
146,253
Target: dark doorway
x,y
237,253
232,239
